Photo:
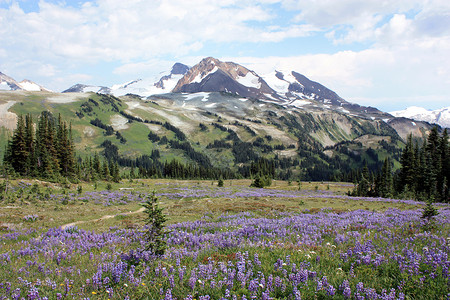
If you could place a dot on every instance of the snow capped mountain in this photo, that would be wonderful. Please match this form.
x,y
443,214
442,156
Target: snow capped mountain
x,y
290,89
148,87
9,84
439,116
31,86
213,75
85,88
294,86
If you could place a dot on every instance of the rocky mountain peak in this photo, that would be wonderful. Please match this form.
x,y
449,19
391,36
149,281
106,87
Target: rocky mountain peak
x,y
213,75
179,69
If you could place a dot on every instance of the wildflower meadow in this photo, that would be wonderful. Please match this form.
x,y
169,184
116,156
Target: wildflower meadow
x,y
239,243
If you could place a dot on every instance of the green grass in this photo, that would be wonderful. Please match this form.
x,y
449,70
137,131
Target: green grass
x,y
53,213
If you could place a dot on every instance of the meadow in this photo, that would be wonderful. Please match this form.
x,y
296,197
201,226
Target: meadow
x,y
233,242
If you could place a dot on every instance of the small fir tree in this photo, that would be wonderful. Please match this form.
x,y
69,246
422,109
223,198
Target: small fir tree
x,y
429,213
220,183
155,221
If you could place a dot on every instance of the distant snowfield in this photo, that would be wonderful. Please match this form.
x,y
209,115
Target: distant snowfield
x,y
7,119
249,80
30,86
439,116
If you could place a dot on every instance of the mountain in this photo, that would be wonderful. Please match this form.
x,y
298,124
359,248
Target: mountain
x,y
85,88
212,75
222,115
439,116
9,84
140,87
148,87
286,88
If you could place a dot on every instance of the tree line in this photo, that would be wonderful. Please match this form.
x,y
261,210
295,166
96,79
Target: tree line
x,y
45,151
424,173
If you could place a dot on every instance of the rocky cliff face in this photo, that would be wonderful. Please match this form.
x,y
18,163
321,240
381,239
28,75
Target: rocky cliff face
x,y
212,75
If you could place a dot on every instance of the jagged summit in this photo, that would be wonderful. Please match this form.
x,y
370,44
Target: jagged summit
x,y
179,69
213,75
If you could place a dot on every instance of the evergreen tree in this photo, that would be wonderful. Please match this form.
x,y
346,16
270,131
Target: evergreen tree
x,y
444,174
408,174
364,185
155,221
17,153
47,159
386,182
30,147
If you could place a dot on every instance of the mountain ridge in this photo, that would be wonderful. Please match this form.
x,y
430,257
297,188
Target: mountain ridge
x,y
9,83
438,116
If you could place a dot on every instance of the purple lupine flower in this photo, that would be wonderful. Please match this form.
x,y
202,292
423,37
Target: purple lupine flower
x,y
168,295
347,292
331,290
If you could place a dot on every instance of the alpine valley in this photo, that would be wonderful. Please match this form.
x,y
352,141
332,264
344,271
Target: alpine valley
x,y
218,116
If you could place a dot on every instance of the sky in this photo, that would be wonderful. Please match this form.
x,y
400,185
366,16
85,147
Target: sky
x,y
385,54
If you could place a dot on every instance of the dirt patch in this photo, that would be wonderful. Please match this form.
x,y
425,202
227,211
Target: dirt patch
x,y
88,131
186,127
65,98
101,219
7,118
119,122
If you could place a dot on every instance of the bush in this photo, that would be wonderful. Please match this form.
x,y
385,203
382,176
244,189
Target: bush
x,y
261,181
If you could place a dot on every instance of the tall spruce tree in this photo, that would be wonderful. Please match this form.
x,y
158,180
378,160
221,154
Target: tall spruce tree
x,y
16,152
444,175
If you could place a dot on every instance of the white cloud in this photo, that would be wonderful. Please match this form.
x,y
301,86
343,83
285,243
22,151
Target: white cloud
x,y
126,30
383,77
408,53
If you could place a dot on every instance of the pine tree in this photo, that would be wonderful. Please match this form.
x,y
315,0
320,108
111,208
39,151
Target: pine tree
x,y
47,160
386,179
444,174
408,170
30,146
364,185
17,152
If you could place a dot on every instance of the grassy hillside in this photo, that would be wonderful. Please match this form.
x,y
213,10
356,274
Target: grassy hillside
x,y
229,131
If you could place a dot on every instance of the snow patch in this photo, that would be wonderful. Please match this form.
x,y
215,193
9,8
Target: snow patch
x,y
203,95
210,105
344,110
249,80
200,77
279,85
299,103
30,86
4,86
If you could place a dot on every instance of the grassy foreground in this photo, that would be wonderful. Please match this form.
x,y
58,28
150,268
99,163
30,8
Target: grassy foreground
x,y
231,242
